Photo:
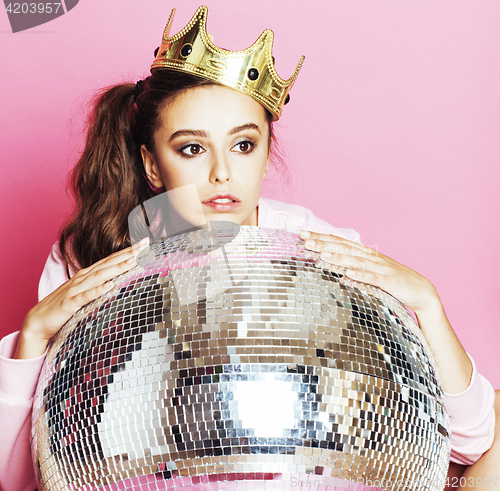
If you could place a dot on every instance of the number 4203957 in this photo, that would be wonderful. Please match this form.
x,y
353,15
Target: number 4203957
x,y
454,482
33,8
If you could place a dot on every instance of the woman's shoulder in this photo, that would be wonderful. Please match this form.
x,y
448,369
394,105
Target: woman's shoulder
x,y
294,218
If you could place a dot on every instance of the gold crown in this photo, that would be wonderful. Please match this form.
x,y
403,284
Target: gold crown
x,y
250,71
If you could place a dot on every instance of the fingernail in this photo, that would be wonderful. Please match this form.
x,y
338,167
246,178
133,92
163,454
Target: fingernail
x,y
109,285
142,247
350,272
305,234
144,241
326,254
131,260
310,243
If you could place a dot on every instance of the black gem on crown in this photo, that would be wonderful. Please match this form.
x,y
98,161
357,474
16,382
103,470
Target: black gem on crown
x,y
156,51
287,99
253,74
186,50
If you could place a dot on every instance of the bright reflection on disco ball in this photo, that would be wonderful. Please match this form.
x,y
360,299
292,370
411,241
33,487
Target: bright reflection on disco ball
x,y
241,364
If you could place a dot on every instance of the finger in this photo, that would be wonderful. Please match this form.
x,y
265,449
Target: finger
x,y
338,245
307,234
76,302
359,269
117,257
124,254
353,262
334,243
94,279
339,253
373,273
367,277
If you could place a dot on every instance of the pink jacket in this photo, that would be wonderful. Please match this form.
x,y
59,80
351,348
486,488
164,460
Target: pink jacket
x,y
471,411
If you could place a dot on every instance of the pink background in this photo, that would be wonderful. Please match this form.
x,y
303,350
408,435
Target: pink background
x,y
393,129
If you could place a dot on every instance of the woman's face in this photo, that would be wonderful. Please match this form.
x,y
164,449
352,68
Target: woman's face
x,y
217,139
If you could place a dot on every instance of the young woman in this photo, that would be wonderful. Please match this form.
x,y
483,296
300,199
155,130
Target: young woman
x,y
175,129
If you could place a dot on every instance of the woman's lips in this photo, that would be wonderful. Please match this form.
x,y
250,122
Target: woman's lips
x,y
222,204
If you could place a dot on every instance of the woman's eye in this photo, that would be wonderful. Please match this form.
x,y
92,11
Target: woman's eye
x,y
192,150
244,146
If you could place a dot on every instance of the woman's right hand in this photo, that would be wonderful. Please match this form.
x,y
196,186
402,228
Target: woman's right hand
x,y
48,316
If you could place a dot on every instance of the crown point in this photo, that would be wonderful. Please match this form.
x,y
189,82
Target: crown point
x,y
169,23
251,71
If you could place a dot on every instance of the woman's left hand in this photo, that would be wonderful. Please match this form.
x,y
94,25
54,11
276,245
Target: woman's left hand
x,y
416,292
369,266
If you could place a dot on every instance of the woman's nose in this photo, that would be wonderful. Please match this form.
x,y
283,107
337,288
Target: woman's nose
x,y
219,171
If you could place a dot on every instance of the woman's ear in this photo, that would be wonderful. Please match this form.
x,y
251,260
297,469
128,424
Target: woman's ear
x,y
151,167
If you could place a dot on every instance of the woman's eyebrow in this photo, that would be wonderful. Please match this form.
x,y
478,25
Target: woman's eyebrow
x,y
248,126
177,134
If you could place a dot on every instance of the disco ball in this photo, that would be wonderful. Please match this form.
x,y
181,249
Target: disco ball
x,y
234,359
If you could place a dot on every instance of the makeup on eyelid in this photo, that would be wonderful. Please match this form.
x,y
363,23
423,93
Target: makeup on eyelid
x,y
251,144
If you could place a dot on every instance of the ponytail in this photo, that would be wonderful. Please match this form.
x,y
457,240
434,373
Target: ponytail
x,y
107,182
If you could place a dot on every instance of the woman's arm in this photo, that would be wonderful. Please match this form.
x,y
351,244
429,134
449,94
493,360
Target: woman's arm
x,y
485,473
474,421
416,292
18,379
489,464
21,357
48,316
